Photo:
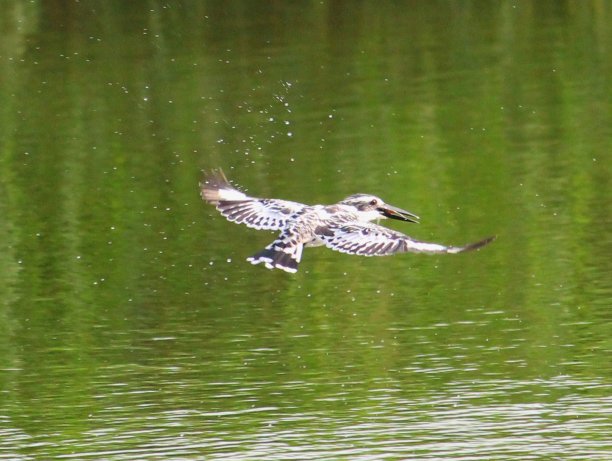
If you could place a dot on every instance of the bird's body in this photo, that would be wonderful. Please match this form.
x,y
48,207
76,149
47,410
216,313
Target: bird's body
x,y
344,226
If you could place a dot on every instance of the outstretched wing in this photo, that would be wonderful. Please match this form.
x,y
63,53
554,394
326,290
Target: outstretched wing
x,y
368,239
259,213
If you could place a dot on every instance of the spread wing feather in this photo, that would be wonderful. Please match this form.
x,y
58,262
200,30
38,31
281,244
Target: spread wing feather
x,y
368,239
258,213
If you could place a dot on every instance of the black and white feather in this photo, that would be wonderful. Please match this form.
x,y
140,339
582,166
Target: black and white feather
x,y
367,239
343,227
258,213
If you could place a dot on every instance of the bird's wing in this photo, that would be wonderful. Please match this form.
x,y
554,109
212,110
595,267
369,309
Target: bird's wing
x,y
368,239
259,213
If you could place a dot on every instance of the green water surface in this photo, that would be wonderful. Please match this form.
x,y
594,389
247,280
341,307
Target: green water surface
x,y
131,324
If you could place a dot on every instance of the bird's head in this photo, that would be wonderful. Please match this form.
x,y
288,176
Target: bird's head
x,y
371,207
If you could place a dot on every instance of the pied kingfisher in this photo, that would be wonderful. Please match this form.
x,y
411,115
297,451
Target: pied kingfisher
x,y
343,227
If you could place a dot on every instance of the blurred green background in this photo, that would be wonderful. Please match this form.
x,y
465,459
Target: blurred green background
x,y
133,328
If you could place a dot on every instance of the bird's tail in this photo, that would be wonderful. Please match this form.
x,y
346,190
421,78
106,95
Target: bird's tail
x,y
279,255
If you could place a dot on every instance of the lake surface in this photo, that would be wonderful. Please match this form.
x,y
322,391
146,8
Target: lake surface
x,y
132,326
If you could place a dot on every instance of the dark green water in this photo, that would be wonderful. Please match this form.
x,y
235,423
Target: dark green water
x,y
133,328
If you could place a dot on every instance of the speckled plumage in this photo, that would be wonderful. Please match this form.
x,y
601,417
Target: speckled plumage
x,y
344,226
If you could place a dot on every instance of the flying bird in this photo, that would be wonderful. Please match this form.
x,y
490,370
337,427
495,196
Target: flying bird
x,y
345,226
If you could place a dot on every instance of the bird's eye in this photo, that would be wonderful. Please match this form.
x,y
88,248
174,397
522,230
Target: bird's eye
x,y
373,202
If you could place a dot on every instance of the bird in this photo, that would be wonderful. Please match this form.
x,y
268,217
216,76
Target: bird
x,y
346,226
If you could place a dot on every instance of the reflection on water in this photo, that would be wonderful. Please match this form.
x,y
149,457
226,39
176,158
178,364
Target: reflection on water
x,y
132,326
348,418
247,392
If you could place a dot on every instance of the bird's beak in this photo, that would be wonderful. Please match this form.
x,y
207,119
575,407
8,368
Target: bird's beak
x,y
392,212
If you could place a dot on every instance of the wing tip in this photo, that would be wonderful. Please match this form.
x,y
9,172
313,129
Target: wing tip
x,y
476,245
213,184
